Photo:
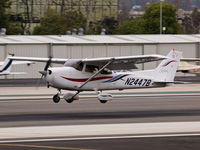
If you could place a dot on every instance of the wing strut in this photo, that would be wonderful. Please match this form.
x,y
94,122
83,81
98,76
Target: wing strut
x,y
94,75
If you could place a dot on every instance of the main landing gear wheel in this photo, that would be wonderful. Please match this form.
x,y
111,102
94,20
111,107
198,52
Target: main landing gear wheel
x,y
103,101
70,100
56,98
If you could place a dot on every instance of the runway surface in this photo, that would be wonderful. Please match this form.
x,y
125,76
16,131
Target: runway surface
x,y
164,143
177,113
121,110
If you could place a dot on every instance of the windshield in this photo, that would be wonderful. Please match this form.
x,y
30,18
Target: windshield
x,y
75,63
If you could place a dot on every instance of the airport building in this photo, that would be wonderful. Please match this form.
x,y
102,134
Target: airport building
x,y
89,46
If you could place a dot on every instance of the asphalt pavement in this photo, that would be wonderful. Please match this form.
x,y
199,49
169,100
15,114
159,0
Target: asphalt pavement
x,y
161,143
163,118
91,111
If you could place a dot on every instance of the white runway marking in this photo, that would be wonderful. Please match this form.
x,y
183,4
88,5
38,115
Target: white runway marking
x,y
99,130
101,138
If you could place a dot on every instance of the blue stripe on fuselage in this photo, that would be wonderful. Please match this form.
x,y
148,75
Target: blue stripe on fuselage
x,y
116,78
110,80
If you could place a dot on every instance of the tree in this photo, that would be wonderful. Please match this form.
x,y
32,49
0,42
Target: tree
x,y
195,20
191,23
133,26
4,17
14,28
60,3
124,7
53,23
149,23
27,16
152,19
109,23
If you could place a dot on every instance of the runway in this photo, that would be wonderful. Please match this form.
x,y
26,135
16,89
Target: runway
x,y
157,122
121,110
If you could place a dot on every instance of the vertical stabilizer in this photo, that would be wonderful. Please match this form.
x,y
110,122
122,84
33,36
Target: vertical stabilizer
x,y
166,70
6,66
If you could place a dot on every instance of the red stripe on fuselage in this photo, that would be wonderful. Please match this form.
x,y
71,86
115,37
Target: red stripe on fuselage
x,y
85,79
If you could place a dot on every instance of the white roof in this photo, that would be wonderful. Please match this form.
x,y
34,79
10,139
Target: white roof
x,y
101,39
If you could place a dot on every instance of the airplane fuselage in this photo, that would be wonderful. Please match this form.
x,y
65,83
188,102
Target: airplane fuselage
x,y
68,78
97,74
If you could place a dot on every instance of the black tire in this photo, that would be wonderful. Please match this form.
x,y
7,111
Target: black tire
x,y
56,98
70,100
103,101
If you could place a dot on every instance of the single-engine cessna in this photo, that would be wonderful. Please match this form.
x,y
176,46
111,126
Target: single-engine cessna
x,y
186,67
98,74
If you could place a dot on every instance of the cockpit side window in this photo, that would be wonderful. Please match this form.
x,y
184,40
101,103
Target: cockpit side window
x,y
106,71
91,68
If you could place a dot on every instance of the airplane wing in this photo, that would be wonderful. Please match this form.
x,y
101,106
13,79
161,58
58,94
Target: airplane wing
x,y
38,59
12,73
123,62
186,67
190,59
17,62
118,63
22,62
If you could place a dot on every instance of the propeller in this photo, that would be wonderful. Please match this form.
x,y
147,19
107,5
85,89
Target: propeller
x,y
48,64
44,72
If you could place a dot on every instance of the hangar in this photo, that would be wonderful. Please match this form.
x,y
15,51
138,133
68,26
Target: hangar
x,y
87,46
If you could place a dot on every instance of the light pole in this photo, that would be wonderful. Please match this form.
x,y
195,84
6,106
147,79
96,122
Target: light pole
x,y
161,16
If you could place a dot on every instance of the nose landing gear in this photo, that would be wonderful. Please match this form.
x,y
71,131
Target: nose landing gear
x,y
56,98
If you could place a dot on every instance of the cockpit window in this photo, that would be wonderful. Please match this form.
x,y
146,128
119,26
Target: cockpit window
x,y
75,63
106,71
94,69
91,68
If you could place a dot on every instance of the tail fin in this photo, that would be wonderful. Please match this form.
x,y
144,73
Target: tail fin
x,y
166,71
6,66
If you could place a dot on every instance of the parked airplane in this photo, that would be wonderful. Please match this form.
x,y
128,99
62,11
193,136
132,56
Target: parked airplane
x,y
5,66
97,74
186,67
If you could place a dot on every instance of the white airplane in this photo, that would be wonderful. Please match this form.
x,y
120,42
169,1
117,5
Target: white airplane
x,y
186,67
97,74
6,65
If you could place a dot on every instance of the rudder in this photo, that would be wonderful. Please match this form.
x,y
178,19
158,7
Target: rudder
x,y
166,70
